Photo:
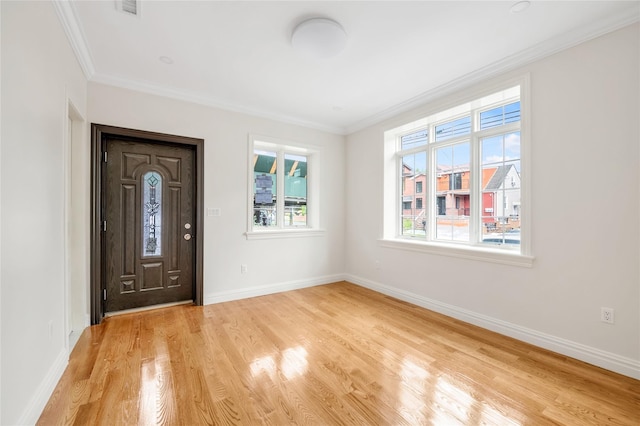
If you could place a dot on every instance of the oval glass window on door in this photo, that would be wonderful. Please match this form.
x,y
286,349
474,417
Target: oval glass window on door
x,y
152,214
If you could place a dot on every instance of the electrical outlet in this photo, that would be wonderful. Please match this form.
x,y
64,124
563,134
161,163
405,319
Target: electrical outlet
x,y
607,315
243,269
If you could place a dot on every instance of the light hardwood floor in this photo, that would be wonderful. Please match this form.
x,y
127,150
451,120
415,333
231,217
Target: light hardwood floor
x,y
333,354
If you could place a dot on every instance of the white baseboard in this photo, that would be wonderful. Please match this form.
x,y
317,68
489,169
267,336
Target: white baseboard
x,y
44,391
74,336
227,296
610,361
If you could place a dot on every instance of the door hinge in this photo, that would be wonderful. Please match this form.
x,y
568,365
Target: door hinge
x,y
104,294
104,156
104,226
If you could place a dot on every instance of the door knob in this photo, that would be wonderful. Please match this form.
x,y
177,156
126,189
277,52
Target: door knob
x,y
187,237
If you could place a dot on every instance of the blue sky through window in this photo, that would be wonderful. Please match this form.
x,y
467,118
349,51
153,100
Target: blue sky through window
x,y
500,148
499,116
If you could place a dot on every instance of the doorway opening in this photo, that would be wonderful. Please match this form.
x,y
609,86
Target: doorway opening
x,y
146,219
76,221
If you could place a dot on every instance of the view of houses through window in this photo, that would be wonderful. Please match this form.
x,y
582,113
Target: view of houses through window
x,y
461,174
274,205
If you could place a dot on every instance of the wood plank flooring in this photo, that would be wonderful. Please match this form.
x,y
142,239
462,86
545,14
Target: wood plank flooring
x,y
336,354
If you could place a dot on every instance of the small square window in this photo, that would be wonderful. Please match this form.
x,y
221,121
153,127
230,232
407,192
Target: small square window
x,y
281,186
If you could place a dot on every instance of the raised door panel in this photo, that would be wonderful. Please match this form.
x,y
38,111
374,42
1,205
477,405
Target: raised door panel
x,y
148,210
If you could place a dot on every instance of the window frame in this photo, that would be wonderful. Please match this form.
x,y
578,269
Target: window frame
x,y
281,148
448,110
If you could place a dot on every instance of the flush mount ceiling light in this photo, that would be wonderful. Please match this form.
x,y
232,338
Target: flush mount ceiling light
x,y
520,6
319,38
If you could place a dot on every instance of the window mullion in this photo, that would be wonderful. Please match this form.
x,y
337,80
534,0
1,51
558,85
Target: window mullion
x,y
399,195
475,183
475,189
430,192
411,151
280,189
499,130
452,141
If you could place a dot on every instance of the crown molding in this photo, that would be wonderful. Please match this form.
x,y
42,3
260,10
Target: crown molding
x,y
73,30
527,56
182,95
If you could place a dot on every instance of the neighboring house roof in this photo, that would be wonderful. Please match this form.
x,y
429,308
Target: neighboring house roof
x,y
407,172
487,174
266,164
498,178
492,178
444,169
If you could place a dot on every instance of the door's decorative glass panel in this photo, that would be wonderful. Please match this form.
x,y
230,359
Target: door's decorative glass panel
x,y
152,214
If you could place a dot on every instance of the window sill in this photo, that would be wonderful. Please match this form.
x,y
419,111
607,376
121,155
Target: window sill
x,y
284,233
485,254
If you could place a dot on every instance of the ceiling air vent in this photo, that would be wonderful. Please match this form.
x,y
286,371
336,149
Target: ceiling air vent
x,y
131,7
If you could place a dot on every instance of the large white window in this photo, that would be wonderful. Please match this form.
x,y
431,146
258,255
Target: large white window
x,y
283,188
455,180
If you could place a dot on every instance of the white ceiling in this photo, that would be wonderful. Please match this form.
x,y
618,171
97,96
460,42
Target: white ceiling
x,y
237,54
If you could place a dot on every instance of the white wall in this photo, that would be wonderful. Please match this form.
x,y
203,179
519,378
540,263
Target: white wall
x,y
274,264
40,75
585,208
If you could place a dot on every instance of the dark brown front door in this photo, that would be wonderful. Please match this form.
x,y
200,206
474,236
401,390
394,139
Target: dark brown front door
x,y
149,213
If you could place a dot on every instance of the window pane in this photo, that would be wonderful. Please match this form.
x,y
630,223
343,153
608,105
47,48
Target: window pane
x,y
454,128
497,149
512,146
414,167
492,150
295,190
264,196
500,116
412,140
453,197
152,214
512,112
500,210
